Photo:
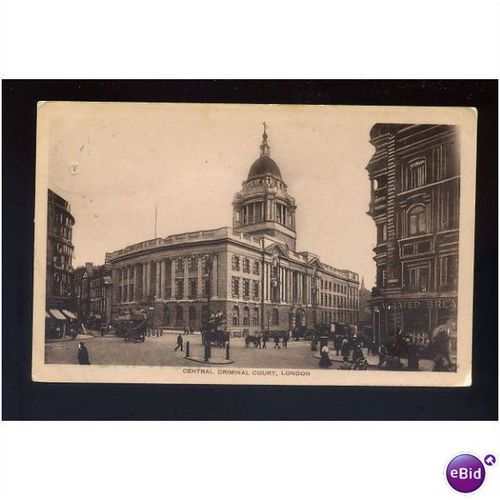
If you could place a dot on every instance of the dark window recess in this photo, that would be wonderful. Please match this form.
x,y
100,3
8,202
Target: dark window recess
x,y
424,247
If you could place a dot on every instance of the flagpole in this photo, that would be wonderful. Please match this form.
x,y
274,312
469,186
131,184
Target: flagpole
x,y
156,217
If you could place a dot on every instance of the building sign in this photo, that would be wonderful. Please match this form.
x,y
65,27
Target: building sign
x,y
420,304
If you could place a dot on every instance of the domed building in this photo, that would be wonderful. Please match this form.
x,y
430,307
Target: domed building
x,y
251,272
263,207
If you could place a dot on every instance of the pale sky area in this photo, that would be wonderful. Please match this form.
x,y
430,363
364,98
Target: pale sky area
x,y
192,159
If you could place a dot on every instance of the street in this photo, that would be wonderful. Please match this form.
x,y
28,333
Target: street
x,y
159,351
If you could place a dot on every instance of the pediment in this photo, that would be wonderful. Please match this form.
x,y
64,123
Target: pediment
x,y
316,264
277,250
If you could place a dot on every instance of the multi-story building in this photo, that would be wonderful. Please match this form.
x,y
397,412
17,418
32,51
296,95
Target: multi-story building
x,y
92,292
252,271
59,277
415,183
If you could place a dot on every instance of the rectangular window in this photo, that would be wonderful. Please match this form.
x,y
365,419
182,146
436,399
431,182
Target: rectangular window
x,y
235,286
256,267
416,174
246,265
381,233
179,289
193,289
417,279
246,288
424,247
236,263
193,264
449,272
206,288
256,289
179,266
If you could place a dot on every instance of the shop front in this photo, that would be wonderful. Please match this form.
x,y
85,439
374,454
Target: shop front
x,y
422,318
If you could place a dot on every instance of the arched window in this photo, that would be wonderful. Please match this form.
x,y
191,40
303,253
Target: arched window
x,y
416,220
276,318
236,316
179,316
246,316
256,316
192,316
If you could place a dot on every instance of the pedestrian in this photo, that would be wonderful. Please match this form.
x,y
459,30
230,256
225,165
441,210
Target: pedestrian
x,y
345,364
276,342
179,343
325,361
373,347
337,342
412,356
344,348
382,354
285,341
357,353
83,354
259,341
264,340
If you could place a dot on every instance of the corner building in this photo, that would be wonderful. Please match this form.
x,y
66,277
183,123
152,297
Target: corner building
x,y
415,186
59,277
252,271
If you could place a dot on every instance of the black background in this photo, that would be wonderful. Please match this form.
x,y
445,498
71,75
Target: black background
x,y
26,400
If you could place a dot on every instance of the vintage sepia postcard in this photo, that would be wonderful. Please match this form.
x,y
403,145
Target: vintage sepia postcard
x,y
254,244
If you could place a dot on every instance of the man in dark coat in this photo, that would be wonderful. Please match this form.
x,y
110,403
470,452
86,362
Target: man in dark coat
x,y
179,343
83,354
285,341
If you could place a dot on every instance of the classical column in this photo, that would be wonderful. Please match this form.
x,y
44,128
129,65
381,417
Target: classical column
x,y
136,288
172,278
144,280
125,284
157,279
114,282
199,277
163,268
130,283
186,280
268,274
148,278
213,285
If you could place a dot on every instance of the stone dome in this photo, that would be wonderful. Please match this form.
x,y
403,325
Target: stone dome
x,y
265,165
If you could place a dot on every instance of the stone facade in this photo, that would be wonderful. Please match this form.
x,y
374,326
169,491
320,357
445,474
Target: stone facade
x,y
415,183
251,271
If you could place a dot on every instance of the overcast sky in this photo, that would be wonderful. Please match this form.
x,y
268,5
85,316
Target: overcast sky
x,y
114,162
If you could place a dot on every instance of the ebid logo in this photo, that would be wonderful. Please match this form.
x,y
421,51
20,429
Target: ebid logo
x,y
466,473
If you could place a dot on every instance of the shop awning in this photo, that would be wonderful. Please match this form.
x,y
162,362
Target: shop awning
x,y
69,314
47,315
57,314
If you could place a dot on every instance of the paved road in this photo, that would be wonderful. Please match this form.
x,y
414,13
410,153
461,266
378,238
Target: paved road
x,y
159,351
